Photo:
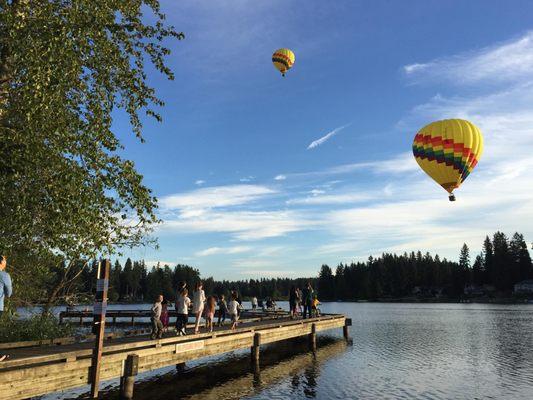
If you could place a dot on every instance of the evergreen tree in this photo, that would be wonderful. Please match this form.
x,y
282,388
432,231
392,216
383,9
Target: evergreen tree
x,y
326,283
488,261
477,270
502,272
520,258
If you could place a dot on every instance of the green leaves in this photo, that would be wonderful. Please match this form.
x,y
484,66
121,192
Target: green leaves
x,y
64,67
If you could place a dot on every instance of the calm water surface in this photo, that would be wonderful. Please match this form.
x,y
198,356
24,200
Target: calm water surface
x,y
398,351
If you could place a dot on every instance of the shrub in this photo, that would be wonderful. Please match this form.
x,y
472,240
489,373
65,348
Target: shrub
x,y
37,327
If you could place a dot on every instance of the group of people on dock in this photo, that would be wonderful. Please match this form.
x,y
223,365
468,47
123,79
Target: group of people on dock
x,y
200,305
301,302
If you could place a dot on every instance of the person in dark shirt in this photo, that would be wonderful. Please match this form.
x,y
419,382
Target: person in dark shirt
x,y
307,299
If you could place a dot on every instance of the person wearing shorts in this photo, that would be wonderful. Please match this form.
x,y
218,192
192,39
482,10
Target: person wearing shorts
x,y
233,310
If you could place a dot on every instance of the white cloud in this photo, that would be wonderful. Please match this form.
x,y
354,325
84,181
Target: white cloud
x,y
242,225
280,177
215,197
155,263
332,199
326,137
503,62
248,178
199,182
397,164
222,250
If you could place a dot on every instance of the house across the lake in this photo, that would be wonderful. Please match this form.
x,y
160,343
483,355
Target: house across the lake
x,y
479,290
524,286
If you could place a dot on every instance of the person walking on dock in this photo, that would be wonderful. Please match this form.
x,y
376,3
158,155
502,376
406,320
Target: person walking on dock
x,y
293,301
307,299
222,310
198,301
254,303
233,310
157,325
182,310
210,313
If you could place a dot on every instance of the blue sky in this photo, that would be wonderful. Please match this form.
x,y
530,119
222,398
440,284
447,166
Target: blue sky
x,y
259,175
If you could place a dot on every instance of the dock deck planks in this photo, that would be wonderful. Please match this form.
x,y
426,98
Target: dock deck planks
x,y
40,370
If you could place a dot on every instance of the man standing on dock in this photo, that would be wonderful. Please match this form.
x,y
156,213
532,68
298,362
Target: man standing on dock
x,y
6,288
157,325
307,299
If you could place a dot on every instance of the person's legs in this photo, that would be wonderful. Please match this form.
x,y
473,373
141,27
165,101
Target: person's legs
x,y
154,328
159,329
197,322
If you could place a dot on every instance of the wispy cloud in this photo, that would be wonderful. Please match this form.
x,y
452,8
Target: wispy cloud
x,y
241,225
280,177
503,62
248,178
160,263
332,199
215,197
199,182
396,164
326,137
222,250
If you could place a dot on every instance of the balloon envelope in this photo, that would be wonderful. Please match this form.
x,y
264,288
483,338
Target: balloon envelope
x,y
283,59
448,151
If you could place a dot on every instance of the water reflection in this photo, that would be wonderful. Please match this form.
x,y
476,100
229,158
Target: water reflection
x,y
399,351
235,377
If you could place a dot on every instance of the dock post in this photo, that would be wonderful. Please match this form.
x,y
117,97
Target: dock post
x,y
255,348
345,330
312,337
180,367
99,310
127,381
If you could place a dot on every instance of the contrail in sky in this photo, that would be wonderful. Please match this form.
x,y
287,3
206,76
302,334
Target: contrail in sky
x,y
326,137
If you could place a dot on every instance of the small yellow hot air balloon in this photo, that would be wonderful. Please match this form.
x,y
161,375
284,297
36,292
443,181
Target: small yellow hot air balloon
x,y
283,59
448,151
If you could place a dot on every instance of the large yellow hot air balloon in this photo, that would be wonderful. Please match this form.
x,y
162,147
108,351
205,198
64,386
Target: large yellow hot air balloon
x,y
283,59
448,151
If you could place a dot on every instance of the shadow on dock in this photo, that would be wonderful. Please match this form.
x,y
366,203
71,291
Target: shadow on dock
x,y
234,376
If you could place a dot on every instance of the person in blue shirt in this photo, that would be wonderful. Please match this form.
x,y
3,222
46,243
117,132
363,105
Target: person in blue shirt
x,y
6,288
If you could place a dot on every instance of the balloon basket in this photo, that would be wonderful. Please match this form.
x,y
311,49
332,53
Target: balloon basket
x,y
451,197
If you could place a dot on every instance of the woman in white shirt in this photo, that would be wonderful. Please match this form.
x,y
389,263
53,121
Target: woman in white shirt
x,y
198,304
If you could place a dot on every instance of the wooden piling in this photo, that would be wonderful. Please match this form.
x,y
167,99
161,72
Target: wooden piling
x,y
255,348
312,337
99,310
127,381
345,328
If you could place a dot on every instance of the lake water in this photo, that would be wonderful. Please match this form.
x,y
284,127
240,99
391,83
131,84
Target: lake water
x,y
398,351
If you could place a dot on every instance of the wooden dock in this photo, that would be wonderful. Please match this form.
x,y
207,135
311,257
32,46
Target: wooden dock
x,y
41,370
133,317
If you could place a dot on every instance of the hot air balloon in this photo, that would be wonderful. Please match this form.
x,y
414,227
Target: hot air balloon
x,y
448,151
283,59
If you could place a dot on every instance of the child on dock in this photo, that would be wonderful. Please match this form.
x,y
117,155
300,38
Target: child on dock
x,y
182,309
315,312
198,301
164,314
210,313
222,310
233,310
157,326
